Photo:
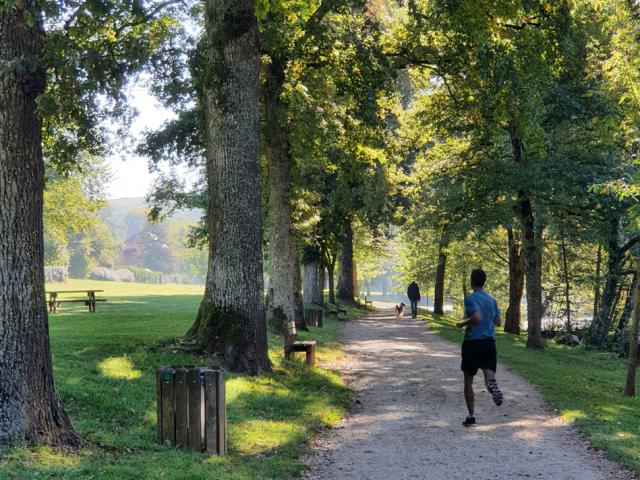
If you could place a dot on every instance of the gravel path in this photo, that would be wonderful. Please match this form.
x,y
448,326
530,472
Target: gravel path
x,y
408,409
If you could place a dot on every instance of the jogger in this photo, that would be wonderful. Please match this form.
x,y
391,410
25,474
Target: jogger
x,y
479,345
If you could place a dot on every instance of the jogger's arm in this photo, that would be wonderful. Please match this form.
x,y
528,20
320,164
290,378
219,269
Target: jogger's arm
x,y
474,319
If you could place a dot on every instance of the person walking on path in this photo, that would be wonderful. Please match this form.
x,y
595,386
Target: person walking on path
x,y
479,346
413,292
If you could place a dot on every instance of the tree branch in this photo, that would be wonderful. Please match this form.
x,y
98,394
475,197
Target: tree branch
x,y
496,252
630,243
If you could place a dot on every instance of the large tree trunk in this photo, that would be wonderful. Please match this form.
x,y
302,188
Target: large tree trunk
x,y
596,287
345,283
567,285
630,385
331,269
321,282
284,290
600,324
532,246
312,288
30,409
516,284
532,249
628,305
356,285
231,320
438,289
298,303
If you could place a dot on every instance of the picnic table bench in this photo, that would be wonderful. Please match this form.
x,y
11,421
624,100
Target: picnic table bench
x,y
90,301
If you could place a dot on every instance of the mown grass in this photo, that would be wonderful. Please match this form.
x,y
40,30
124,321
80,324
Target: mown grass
x,y
105,372
583,385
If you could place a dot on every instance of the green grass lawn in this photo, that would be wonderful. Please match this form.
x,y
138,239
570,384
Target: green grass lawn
x,y
105,366
584,386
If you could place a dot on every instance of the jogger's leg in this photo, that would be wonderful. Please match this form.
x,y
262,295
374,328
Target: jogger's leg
x,y
488,376
492,386
468,394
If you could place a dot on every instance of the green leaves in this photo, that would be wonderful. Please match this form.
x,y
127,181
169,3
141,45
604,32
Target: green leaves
x,y
91,50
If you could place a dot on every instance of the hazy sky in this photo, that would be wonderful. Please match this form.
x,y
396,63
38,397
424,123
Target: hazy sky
x,y
130,174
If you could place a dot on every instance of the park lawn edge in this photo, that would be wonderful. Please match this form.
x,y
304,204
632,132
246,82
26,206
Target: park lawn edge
x,y
273,418
581,385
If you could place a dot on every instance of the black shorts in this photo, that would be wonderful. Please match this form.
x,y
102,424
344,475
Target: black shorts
x,y
479,354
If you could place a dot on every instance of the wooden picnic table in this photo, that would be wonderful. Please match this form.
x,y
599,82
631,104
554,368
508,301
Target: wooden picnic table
x,y
90,301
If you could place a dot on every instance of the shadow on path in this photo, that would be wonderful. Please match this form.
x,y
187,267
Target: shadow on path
x,y
409,408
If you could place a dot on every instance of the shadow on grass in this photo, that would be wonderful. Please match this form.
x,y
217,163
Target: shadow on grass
x,y
271,417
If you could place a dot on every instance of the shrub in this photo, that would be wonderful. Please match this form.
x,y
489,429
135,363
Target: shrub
x,y
108,274
56,274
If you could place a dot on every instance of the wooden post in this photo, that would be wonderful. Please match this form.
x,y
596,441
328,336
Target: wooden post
x,y
159,406
311,356
182,407
222,413
215,412
168,406
210,412
195,409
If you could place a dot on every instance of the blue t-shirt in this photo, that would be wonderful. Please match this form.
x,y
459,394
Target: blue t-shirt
x,y
487,306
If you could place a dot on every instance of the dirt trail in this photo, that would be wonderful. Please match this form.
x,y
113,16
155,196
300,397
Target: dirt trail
x,y
406,422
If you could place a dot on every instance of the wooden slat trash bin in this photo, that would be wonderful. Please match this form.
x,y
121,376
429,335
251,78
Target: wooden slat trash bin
x,y
314,317
191,408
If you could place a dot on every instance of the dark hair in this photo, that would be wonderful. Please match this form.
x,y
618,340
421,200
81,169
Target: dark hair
x,y
478,277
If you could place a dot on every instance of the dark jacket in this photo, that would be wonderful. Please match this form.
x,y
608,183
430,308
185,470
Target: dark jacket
x,y
413,292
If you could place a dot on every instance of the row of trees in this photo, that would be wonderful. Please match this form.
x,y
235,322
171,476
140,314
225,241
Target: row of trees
x,y
62,68
524,129
302,81
511,132
323,104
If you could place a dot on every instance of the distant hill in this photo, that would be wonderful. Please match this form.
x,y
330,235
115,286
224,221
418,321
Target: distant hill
x,y
126,217
119,207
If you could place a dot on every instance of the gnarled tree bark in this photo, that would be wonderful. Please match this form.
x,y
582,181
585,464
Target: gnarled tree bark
x,y
30,409
532,245
596,286
532,249
627,311
516,284
285,300
630,384
312,288
600,325
331,274
346,289
231,320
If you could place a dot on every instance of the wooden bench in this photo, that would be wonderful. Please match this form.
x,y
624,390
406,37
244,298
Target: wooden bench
x,y
314,317
53,302
336,311
367,301
291,345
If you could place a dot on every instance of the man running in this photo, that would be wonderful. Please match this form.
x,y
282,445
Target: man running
x,y
479,345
